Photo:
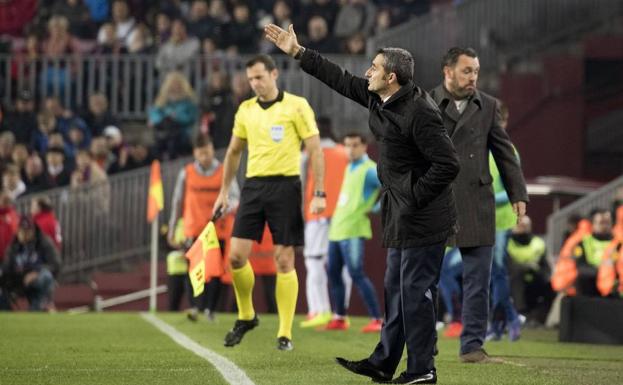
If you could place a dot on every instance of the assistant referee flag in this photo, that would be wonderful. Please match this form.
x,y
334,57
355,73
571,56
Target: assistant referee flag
x,y
155,197
205,248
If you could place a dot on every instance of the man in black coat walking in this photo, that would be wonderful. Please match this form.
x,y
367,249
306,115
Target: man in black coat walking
x,y
416,168
473,121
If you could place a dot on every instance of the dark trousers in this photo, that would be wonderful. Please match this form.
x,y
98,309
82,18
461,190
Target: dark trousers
x,y
411,279
476,280
178,284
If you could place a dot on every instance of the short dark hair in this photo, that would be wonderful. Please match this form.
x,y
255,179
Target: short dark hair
x,y
400,62
202,140
452,56
268,62
355,134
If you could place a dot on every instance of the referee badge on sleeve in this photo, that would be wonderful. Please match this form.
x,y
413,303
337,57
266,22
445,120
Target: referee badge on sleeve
x,y
277,133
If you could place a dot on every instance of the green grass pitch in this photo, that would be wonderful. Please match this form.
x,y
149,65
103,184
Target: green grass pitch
x,y
122,348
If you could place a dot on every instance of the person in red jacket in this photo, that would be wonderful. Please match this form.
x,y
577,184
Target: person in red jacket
x,y
9,221
43,215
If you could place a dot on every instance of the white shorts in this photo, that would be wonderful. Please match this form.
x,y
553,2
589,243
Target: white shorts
x,y
316,238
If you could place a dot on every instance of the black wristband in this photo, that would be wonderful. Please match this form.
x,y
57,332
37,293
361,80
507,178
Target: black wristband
x,y
299,53
320,194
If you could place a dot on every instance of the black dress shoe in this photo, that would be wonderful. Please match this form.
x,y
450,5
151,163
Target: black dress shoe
x,y
406,378
364,368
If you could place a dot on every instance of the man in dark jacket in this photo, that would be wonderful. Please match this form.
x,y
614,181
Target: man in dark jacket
x,y
473,121
416,167
30,265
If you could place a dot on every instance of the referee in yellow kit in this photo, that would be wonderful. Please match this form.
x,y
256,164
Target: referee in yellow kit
x,y
272,125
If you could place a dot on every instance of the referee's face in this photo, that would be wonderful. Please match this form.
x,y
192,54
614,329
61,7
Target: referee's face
x,y
263,82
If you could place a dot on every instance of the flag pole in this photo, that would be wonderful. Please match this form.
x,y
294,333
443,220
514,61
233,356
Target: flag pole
x,y
153,274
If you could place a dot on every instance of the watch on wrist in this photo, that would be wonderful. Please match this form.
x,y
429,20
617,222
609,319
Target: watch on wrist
x,y
299,53
320,194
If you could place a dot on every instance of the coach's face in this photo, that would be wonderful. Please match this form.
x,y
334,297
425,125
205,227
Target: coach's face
x,y
378,79
463,76
262,81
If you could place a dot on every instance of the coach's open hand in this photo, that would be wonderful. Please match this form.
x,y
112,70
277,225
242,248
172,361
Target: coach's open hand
x,y
284,40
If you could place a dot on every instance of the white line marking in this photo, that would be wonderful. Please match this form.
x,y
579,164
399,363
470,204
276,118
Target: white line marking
x,y
230,372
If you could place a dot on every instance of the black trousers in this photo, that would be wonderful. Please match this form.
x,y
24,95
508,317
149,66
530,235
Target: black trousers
x,y
411,278
180,284
476,282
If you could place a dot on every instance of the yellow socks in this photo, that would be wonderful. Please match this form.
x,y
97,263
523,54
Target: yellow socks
x,y
243,280
286,293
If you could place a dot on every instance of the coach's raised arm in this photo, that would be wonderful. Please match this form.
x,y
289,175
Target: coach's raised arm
x,y
417,164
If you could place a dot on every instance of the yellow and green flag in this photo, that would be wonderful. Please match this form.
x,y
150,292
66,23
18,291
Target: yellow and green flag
x,y
205,249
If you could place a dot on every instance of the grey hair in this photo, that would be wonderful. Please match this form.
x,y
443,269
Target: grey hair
x,y
400,62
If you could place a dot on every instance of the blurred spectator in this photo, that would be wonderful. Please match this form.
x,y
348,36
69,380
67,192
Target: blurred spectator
x,y
65,118
98,115
87,172
30,265
356,44
9,220
123,22
354,16
15,15
241,31
163,28
23,121
218,111
383,21
218,12
141,41
529,272
24,64
179,50
58,44
34,176
174,116
59,41
91,183
281,16
19,155
588,253
46,124
240,88
12,183
57,175
118,149
327,9
43,215
318,35
76,142
56,140
7,141
78,16
200,24
98,9
139,155
107,42
101,154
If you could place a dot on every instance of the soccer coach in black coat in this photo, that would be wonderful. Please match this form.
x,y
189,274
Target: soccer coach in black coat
x,y
416,167
473,121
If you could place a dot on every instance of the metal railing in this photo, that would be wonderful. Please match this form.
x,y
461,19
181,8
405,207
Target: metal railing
x,y
557,222
105,223
500,30
131,82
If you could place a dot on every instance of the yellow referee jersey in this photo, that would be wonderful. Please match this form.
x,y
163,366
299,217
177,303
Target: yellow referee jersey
x,y
274,135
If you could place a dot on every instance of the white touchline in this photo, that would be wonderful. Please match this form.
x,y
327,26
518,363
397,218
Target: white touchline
x,y
232,374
